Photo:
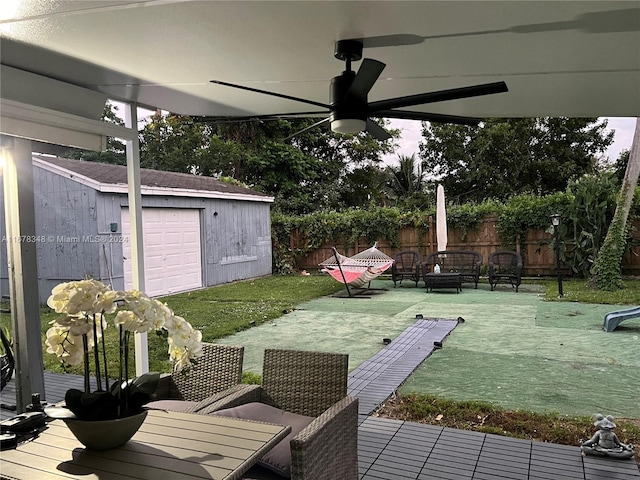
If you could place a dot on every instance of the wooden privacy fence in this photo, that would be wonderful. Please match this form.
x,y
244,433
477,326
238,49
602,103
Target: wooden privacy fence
x,y
538,260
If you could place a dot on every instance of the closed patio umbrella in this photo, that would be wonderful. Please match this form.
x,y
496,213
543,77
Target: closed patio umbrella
x,y
441,220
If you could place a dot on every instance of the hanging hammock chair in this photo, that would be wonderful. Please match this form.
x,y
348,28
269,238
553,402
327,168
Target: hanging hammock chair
x,y
358,270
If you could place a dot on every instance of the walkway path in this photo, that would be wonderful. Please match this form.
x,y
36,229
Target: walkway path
x,y
374,380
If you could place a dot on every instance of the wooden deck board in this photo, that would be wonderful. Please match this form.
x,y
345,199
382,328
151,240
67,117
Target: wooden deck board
x,y
455,454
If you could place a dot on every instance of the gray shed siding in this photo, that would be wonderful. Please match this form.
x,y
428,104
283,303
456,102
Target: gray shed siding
x,y
239,237
75,219
69,218
111,257
65,215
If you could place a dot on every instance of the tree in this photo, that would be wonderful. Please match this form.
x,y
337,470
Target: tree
x,y
352,164
313,170
173,143
607,271
408,176
115,152
407,183
620,166
364,187
504,157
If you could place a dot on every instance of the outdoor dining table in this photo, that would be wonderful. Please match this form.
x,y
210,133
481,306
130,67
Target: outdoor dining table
x,y
168,445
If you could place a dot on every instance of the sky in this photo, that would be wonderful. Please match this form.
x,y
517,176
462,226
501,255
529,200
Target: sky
x,y
411,136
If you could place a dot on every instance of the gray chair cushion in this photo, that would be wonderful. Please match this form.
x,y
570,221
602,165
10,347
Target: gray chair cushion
x,y
278,459
171,405
260,473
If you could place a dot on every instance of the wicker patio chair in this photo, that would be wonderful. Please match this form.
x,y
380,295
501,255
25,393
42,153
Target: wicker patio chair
x,y
311,384
219,370
505,266
406,265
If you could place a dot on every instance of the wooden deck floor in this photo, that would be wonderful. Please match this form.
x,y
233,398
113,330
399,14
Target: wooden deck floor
x,y
55,384
397,450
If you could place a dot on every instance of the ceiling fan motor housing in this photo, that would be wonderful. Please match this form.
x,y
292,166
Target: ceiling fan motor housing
x,y
345,106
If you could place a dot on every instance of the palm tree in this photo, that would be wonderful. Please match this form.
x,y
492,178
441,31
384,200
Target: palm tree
x,y
407,177
607,269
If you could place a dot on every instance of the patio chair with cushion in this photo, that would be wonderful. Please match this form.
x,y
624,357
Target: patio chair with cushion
x,y
505,266
308,391
406,265
218,370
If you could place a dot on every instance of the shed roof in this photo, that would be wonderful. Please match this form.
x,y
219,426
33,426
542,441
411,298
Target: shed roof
x,y
113,178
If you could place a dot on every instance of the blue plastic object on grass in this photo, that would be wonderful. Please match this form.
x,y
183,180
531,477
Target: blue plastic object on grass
x,y
613,319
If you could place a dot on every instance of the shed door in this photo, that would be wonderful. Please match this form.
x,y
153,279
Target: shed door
x,y
172,250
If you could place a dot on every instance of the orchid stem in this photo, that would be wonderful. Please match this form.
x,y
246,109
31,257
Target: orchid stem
x,y
120,337
104,361
126,370
96,354
85,348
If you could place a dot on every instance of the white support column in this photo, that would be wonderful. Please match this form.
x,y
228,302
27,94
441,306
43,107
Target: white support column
x,y
135,219
23,270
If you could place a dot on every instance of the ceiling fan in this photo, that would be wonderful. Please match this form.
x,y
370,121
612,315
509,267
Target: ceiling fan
x,y
349,111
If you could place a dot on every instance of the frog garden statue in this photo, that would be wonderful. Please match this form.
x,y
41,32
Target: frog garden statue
x,y
605,442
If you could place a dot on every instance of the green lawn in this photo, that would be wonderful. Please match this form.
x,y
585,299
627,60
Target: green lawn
x,y
579,291
216,311
226,309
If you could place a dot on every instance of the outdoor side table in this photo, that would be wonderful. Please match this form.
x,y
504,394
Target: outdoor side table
x,y
443,280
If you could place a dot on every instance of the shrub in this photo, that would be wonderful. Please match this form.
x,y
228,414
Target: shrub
x,y
586,209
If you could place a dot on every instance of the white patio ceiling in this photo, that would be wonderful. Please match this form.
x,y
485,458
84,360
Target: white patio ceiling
x,y
558,58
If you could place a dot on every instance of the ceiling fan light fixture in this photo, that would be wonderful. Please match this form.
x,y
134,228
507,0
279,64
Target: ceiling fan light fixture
x,y
348,125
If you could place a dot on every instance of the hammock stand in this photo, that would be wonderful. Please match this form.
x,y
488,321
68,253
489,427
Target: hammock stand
x,y
358,270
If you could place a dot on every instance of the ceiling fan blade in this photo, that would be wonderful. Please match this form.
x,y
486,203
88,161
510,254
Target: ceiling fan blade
x,y
307,128
249,118
366,77
439,96
376,131
273,94
429,117
396,40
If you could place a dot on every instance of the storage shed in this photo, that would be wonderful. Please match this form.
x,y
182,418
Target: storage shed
x,y
197,231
